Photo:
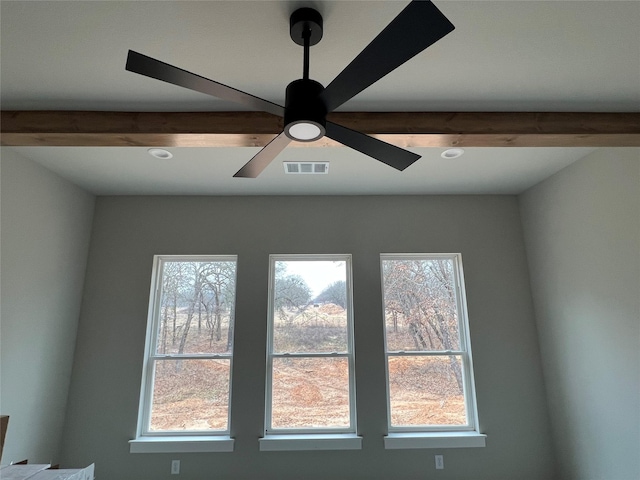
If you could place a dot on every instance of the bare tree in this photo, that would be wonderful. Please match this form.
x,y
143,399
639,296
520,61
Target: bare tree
x,y
205,290
334,293
220,283
172,288
192,296
420,295
291,292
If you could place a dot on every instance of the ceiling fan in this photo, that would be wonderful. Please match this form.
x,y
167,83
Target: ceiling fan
x,y
307,102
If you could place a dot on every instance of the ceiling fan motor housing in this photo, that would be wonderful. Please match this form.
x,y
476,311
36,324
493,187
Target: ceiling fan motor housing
x,y
303,105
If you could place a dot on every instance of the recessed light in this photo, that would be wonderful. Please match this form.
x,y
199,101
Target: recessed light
x,y
160,153
452,153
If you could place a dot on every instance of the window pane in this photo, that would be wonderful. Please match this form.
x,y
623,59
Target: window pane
x,y
426,390
197,307
190,395
420,305
310,301
310,392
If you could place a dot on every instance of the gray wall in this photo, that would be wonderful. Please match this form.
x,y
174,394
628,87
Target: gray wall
x,y
46,223
583,242
128,231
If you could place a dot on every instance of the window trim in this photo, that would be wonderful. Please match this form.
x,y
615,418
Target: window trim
x,y
147,440
182,444
321,441
459,439
278,434
428,434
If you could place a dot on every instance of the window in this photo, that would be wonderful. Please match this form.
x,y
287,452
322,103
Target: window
x,y
310,389
310,371
187,372
429,371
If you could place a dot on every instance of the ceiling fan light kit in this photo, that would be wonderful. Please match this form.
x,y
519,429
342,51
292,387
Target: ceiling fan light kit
x,y
307,102
305,131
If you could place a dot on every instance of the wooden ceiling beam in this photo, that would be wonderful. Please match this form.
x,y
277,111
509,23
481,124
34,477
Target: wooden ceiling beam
x,y
255,129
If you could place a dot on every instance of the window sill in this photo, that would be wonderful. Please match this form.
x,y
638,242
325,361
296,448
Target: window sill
x,y
181,444
434,440
321,441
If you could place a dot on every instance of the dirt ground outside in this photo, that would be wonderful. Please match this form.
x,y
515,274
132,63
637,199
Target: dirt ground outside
x,y
308,392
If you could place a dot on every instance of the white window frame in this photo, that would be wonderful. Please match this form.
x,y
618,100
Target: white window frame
x,y
311,434
148,441
398,434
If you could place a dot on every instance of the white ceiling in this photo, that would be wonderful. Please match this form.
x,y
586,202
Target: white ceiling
x,y
205,171
503,56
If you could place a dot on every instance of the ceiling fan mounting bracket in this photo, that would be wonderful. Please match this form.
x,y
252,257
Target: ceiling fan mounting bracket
x,y
305,18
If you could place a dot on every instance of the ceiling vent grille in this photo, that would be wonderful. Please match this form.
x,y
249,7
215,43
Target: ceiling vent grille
x,y
306,168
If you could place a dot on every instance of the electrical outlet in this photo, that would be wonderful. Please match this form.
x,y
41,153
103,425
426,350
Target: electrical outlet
x,y
175,467
439,462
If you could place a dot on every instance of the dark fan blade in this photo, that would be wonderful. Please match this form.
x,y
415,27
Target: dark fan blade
x,y
263,158
150,67
419,25
393,156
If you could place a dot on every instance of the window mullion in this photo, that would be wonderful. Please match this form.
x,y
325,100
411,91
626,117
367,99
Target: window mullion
x,y
216,356
434,353
311,355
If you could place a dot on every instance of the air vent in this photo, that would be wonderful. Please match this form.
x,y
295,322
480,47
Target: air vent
x,y
306,168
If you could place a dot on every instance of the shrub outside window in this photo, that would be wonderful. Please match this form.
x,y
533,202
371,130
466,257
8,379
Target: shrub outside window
x,y
186,386
429,369
310,362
